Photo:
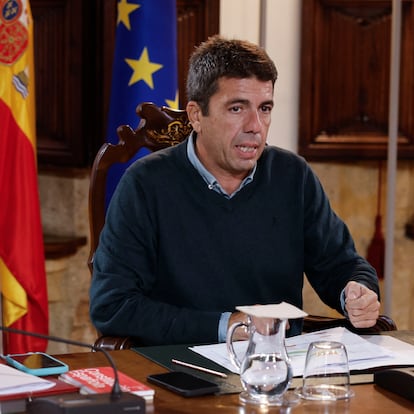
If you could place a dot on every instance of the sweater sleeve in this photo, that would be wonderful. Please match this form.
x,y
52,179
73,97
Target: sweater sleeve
x,y
125,268
331,260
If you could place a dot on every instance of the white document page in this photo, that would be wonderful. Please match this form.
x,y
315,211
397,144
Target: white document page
x,y
13,381
363,353
403,353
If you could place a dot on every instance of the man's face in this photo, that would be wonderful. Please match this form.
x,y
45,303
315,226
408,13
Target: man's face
x,y
231,138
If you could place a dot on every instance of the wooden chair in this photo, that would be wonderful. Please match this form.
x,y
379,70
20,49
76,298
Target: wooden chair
x,y
161,127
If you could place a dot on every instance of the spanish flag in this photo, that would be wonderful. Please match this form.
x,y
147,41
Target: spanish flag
x,y
22,263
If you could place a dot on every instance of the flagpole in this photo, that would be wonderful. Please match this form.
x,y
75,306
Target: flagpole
x,y
262,23
392,152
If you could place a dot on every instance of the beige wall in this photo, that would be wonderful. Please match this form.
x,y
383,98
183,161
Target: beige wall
x,y
64,203
352,188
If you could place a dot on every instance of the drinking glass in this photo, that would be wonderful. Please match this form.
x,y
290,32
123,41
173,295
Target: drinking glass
x,y
326,375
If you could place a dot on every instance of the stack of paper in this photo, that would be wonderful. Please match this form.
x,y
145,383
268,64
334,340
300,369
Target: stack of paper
x,y
13,381
363,353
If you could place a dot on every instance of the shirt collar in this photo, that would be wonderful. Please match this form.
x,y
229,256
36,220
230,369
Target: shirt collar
x,y
209,178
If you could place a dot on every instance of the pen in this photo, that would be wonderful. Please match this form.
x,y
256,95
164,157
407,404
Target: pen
x,y
210,371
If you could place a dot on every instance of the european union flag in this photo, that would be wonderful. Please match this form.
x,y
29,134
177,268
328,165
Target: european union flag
x,y
144,68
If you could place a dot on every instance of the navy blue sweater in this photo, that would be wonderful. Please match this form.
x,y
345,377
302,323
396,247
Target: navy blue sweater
x,y
174,254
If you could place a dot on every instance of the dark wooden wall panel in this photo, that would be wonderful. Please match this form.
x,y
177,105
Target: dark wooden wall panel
x,y
58,65
195,22
345,72
74,46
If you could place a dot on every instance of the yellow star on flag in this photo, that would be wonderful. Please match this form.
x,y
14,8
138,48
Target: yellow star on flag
x,y
143,69
124,10
173,104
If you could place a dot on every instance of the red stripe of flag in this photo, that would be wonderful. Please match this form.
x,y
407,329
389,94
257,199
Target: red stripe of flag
x,y
21,240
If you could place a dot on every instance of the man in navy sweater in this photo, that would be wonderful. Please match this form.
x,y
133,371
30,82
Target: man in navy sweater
x,y
222,220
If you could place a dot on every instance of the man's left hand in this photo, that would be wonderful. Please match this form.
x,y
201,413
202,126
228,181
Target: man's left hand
x,y
361,304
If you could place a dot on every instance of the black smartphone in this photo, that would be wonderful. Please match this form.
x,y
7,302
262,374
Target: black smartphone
x,y
184,384
36,363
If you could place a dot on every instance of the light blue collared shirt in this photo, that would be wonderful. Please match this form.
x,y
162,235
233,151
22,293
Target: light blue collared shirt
x,y
214,185
209,178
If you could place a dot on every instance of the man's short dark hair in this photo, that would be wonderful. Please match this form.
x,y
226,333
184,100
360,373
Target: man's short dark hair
x,y
224,58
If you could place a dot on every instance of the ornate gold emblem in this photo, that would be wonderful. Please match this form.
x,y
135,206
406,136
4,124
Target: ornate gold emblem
x,y
13,33
175,133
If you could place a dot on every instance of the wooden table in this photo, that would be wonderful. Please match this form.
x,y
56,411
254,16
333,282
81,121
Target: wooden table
x,y
368,397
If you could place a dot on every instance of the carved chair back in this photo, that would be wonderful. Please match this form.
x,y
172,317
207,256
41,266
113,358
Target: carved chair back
x,y
160,127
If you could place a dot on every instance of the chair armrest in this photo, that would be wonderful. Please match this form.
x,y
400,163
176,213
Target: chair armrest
x,y
113,343
313,323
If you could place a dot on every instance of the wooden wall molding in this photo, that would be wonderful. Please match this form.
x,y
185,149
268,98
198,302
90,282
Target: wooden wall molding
x,y
345,70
